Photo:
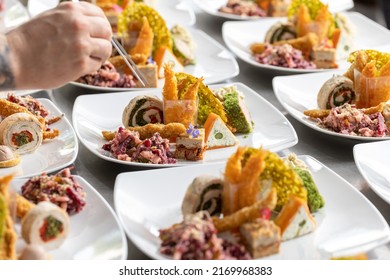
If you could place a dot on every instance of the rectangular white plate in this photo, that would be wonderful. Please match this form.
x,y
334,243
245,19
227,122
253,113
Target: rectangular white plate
x,y
53,154
239,35
213,62
97,112
211,7
298,93
373,162
95,234
147,201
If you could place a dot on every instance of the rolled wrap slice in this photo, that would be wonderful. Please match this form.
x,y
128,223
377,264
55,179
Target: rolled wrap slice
x,y
142,110
280,32
204,193
335,92
46,225
21,132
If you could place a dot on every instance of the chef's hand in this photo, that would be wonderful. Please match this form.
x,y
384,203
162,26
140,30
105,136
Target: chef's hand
x,y
59,46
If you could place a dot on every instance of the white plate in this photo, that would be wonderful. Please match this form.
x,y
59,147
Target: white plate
x,y
53,154
347,225
211,7
373,162
97,112
169,9
298,93
213,62
95,232
239,35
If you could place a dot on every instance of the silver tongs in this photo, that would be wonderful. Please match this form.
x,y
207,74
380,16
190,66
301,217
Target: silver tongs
x,y
126,57
129,62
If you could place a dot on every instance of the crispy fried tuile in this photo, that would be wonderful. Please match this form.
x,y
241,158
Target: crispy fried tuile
x,y
322,23
317,113
369,70
365,86
361,60
250,184
245,214
385,70
234,167
242,180
23,206
51,134
350,74
303,20
336,37
192,91
144,43
170,91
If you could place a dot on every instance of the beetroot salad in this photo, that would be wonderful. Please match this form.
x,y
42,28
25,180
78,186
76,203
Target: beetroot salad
x,y
284,56
128,146
195,238
347,119
60,189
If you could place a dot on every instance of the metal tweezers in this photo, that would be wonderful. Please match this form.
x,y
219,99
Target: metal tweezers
x,y
126,57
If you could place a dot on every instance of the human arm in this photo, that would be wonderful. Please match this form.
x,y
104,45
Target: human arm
x,y
55,47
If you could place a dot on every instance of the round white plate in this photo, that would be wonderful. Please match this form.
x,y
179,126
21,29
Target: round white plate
x,y
53,154
348,224
239,35
96,233
298,93
373,162
96,112
213,62
212,6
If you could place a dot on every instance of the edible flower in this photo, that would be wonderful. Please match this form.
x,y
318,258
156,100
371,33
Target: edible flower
x,y
192,131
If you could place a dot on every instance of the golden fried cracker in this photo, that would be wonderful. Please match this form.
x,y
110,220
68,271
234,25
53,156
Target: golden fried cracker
x,y
317,113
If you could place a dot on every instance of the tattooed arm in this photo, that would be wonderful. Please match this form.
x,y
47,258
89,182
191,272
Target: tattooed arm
x,y
55,47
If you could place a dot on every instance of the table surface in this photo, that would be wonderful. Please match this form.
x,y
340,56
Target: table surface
x,y
331,151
